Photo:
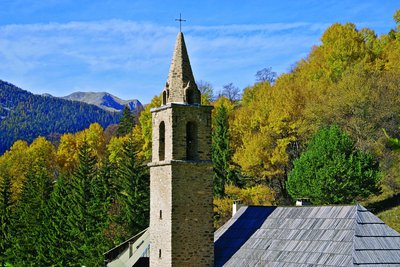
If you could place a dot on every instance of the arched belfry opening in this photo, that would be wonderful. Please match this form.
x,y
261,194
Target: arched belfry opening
x,y
164,97
161,145
191,140
190,98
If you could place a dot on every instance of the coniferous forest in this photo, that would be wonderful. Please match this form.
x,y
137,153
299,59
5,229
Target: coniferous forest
x,y
24,116
328,131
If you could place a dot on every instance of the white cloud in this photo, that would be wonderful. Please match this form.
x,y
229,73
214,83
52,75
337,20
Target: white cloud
x,y
133,50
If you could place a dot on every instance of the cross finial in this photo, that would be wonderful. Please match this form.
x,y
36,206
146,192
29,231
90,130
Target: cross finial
x,y
180,21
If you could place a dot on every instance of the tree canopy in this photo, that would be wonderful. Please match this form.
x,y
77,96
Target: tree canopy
x,y
332,171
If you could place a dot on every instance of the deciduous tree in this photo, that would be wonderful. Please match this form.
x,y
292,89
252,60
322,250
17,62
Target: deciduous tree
x,y
333,171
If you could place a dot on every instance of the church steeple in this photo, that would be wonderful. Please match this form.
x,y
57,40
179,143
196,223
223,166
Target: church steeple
x,y
181,86
181,173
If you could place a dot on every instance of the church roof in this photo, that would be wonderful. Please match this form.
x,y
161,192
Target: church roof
x,y
306,236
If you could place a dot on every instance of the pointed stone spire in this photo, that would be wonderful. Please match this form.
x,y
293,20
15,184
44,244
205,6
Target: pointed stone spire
x,y
181,86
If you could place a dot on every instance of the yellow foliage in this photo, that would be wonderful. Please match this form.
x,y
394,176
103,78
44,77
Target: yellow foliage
x,y
22,157
260,195
115,149
222,211
68,149
146,124
15,163
67,153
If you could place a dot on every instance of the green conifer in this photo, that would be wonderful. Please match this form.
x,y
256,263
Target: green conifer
x,y
126,123
133,192
6,205
28,220
87,218
221,153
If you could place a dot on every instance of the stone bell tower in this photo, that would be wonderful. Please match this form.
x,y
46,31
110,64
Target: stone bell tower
x,y
181,194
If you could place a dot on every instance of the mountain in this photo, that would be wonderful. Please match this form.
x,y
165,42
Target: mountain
x,y
105,101
25,116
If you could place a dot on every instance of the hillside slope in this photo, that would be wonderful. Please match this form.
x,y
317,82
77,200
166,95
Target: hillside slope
x,y
25,116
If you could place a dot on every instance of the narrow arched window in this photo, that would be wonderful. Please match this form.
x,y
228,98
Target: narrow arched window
x,y
164,97
191,141
161,145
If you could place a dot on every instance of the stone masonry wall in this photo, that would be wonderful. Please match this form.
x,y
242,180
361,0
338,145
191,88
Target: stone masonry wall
x,y
182,190
175,117
160,227
192,217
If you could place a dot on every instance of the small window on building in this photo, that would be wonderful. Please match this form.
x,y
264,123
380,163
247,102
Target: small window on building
x,y
191,141
159,253
160,214
161,145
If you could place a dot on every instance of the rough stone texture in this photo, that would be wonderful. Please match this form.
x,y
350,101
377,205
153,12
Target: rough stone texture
x,y
181,86
176,117
181,189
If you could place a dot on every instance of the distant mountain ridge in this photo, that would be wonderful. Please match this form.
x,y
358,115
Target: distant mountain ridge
x,y
25,116
105,101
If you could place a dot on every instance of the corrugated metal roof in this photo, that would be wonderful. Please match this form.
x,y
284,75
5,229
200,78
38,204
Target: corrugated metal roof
x,y
306,236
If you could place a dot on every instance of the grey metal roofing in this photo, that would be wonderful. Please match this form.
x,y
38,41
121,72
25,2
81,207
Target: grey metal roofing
x,y
306,236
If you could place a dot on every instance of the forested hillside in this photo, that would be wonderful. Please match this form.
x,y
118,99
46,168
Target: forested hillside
x,y
327,131
25,116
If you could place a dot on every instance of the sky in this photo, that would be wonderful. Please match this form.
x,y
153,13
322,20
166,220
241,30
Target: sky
x,y
125,47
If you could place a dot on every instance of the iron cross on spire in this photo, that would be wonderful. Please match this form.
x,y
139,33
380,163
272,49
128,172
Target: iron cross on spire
x,y
180,21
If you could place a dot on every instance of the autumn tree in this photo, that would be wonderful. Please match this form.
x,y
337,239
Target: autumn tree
x,y
207,92
332,171
146,127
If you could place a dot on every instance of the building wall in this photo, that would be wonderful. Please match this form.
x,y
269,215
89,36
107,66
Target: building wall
x,y
160,228
192,217
176,117
182,190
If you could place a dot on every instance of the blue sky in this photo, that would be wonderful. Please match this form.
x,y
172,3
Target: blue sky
x,y
125,47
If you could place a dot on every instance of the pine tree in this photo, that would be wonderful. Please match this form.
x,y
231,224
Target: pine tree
x,y
6,205
28,220
126,123
133,192
221,153
55,244
87,218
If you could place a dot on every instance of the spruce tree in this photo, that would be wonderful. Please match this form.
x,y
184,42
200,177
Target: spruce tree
x,y
6,205
221,153
87,218
29,217
126,123
133,192
57,239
